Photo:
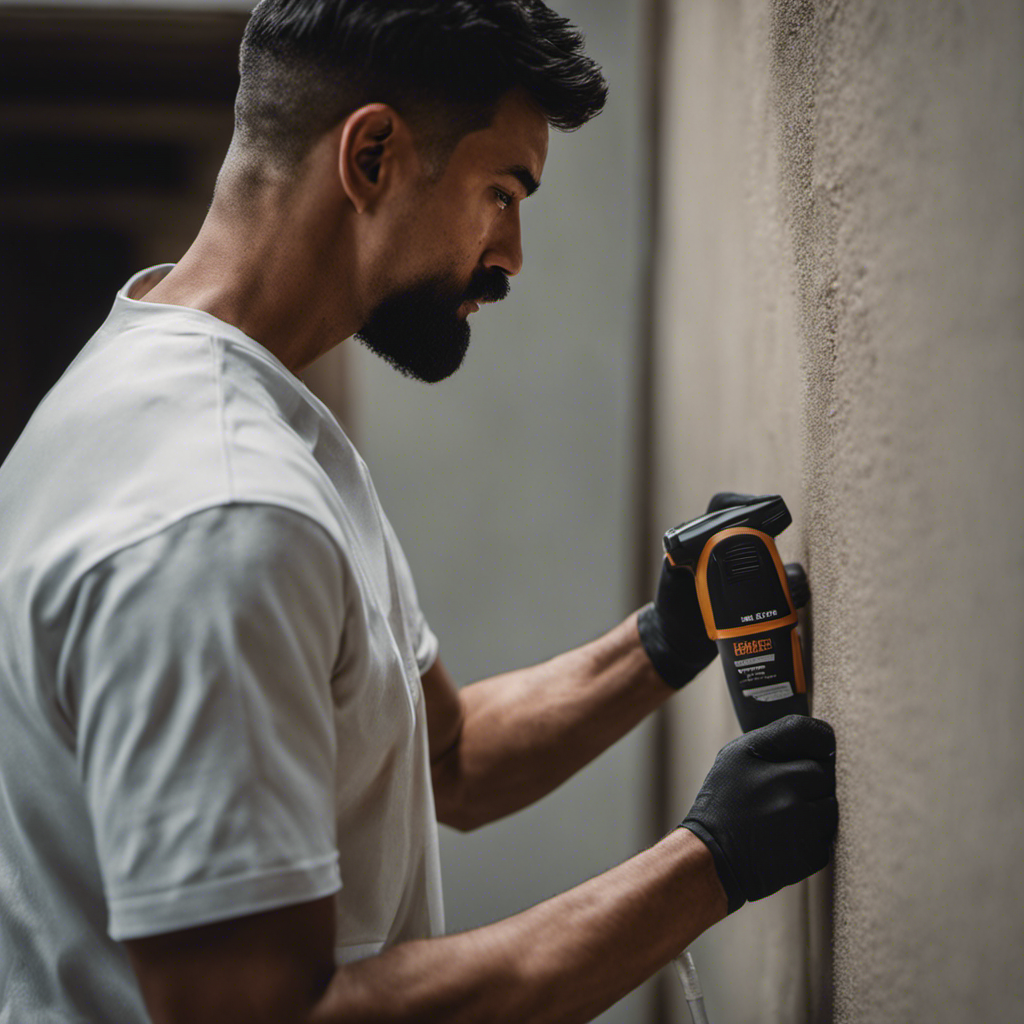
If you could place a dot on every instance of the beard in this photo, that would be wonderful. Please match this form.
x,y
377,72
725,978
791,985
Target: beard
x,y
419,331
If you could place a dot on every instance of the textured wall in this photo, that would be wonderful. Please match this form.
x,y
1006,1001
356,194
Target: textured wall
x,y
841,320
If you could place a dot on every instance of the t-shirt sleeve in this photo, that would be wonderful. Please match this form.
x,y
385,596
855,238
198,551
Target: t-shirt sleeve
x,y
198,670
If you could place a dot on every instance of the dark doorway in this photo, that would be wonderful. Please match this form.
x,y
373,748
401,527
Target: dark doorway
x,y
113,124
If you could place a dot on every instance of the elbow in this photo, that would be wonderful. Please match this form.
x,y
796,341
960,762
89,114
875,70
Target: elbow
x,y
453,803
459,819
454,811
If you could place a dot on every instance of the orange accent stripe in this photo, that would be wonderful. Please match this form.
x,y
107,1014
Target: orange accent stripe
x,y
704,597
757,627
798,664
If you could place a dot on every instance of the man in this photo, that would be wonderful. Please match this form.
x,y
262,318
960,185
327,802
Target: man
x,y
226,736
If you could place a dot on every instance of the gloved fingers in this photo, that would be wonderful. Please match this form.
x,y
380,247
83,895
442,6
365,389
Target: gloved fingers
x,y
676,596
792,738
827,813
730,499
799,588
810,859
807,846
672,628
814,849
806,779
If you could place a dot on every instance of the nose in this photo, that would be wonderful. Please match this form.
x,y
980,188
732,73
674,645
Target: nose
x,y
505,249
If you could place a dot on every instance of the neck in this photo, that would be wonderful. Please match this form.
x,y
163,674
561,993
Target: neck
x,y
262,268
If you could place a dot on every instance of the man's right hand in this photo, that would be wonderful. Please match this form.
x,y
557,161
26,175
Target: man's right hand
x,y
767,809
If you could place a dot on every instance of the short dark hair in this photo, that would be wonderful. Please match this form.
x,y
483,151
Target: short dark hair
x,y
444,65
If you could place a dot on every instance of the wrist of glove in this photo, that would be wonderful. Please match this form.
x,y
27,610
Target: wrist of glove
x,y
767,810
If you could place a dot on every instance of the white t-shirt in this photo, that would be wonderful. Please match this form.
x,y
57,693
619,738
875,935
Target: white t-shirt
x,y
210,660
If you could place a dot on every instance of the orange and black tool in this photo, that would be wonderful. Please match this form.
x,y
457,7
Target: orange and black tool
x,y
748,608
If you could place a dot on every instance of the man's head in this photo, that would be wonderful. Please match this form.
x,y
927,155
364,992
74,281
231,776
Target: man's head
x,y
437,113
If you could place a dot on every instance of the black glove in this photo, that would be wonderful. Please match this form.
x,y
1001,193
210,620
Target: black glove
x,y
730,499
767,809
671,627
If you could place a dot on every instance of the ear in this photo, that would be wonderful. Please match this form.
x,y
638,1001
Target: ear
x,y
375,144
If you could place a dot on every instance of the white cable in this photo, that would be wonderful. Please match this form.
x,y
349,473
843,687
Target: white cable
x,y
686,971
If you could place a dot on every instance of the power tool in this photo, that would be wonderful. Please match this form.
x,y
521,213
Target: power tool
x,y
749,603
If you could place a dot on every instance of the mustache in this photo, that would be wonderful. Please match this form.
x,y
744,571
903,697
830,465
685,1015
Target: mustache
x,y
490,285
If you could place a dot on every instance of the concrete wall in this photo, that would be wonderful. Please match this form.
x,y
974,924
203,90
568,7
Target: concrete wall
x,y
841,320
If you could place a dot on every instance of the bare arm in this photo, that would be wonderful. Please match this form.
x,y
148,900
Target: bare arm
x,y
564,960
499,745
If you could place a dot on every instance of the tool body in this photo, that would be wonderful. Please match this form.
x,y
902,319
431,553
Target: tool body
x,y
748,610
748,601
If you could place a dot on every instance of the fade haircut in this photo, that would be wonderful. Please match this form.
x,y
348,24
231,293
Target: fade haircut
x,y
443,65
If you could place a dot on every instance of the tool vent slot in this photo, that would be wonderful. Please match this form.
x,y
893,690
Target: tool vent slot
x,y
741,560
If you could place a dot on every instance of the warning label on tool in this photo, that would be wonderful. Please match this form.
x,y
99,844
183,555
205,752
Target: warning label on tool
x,y
777,691
747,662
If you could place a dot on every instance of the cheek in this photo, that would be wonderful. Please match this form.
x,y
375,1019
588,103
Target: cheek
x,y
449,236
465,223
462,250
468,234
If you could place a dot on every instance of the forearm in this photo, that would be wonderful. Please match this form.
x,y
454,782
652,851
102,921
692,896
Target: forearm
x,y
565,960
525,732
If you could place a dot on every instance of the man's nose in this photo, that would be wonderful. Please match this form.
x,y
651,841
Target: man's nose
x,y
506,248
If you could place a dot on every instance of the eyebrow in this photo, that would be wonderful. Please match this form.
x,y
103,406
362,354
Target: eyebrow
x,y
525,178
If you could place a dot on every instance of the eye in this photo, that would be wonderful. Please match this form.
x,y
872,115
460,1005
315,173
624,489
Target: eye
x,y
504,199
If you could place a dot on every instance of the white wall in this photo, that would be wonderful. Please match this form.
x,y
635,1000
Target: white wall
x,y
509,484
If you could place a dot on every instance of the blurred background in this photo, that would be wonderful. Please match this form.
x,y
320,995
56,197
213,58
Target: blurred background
x,y
788,257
